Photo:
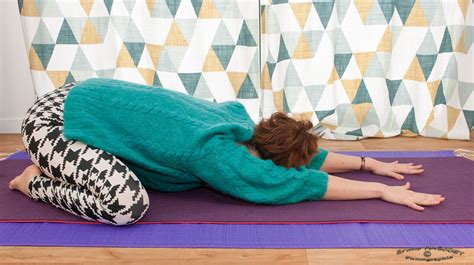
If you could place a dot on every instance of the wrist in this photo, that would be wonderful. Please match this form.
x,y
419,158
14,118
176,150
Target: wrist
x,y
380,189
370,164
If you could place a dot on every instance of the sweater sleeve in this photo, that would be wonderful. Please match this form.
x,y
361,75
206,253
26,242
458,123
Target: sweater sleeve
x,y
318,160
231,169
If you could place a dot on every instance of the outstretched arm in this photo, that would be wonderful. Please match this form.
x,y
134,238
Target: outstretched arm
x,y
345,189
337,163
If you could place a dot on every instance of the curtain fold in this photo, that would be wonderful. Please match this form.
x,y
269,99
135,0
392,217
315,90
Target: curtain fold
x,y
356,68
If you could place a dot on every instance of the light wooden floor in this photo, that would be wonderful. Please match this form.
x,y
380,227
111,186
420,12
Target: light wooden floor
x,y
63,255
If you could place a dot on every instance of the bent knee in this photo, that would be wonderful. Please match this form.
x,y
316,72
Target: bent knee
x,y
129,206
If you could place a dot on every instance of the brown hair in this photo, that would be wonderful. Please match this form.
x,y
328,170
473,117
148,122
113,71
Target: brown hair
x,y
284,140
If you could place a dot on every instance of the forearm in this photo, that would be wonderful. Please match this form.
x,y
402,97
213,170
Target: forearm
x,y
345,189
338,163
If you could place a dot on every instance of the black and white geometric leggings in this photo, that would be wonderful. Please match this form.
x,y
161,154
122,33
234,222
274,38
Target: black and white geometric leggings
x,y
88,182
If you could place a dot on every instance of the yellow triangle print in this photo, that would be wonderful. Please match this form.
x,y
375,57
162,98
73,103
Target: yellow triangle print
x,y
333,77
415,72
351,87
212,63
331,127
208,10
379,134
263,21
302,50
150,4
364,7
464,6
147,74
236,79
175,37
29,9
433,88
361,110
35,62
301,12
87,5
266,81
460,47
90,35
124,59
385,44
155,52
417,17
58,78
278,100
453,114
363,59
303,116
429,120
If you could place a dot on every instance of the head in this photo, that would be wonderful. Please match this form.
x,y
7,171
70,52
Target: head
x,y
284,140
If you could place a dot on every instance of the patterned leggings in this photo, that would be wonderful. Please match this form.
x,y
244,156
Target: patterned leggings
x,y
80,179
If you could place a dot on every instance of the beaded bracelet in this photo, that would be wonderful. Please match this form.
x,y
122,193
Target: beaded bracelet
x,y
362,163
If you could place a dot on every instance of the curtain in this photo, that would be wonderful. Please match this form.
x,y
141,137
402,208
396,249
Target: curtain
x,y
356,68
371,68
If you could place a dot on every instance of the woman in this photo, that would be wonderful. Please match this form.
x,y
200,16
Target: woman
x,y
95,145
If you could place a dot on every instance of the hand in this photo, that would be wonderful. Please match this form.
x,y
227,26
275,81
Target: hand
x,y
403,196
392,169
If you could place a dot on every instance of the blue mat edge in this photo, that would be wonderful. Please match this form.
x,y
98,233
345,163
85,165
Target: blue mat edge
x,y
366,235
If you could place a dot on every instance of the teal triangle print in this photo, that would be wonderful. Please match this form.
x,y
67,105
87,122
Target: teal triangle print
x,y
341,61
324,113
224,53
44,52
20,5
362,95
469,115
410,122
65,35
271,68
245,36
427,62
69,79
440,98
135,50
324,10
190,81
357,132
283,52
392,86
446,44
108,4
247,89
428,46
197,6
173,6
387,9
404,8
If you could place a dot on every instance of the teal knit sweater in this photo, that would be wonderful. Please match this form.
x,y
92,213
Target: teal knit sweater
x,y
175,142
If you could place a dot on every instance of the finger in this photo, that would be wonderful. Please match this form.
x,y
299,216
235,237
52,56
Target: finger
x,y
394,162
406,186
415,206
414,171
395,175
417,166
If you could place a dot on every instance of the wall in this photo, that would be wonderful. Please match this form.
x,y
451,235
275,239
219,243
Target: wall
x,y
16,86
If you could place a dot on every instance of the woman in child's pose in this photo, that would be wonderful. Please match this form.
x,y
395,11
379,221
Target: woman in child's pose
x,y
96,144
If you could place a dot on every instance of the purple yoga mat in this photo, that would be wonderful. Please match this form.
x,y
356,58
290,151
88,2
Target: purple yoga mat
x,y
449,176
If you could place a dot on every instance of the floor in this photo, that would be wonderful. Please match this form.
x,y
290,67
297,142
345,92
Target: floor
x,y
62,255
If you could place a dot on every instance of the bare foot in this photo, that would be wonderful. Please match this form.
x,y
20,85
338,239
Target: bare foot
x,y
22,181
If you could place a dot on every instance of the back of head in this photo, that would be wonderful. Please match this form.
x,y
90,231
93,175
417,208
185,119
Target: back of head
x,y
284,140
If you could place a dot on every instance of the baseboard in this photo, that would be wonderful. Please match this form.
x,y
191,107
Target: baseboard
x,y
10,125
